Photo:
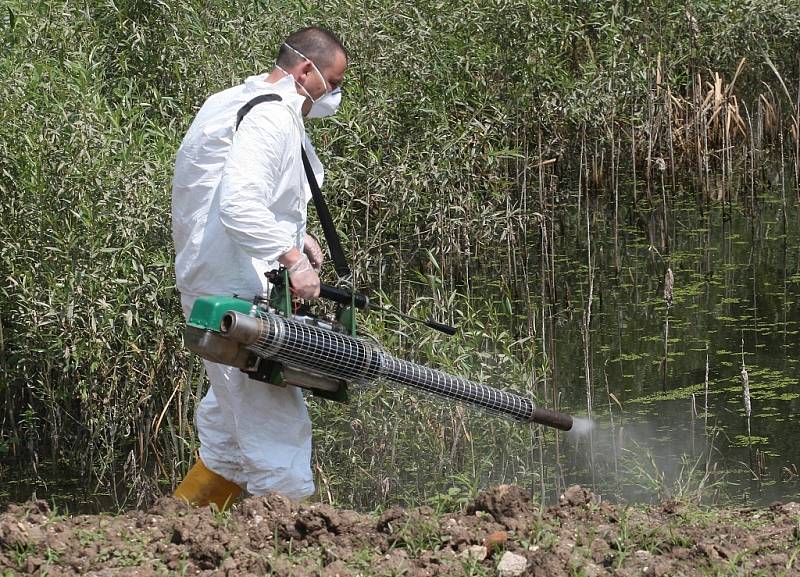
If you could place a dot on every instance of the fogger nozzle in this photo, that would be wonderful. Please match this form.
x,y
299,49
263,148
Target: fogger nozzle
x,y
552,419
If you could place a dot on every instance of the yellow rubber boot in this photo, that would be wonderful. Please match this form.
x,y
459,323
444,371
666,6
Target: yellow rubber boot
x,y
202,486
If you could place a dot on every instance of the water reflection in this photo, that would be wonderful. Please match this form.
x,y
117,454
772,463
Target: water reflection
x,y
666,389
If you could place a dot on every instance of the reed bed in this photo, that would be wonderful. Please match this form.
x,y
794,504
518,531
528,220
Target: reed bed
x,y
469,130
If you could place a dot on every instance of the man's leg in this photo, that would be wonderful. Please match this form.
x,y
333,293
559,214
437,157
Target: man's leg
x,y
271,430
274,434
202,485
253,434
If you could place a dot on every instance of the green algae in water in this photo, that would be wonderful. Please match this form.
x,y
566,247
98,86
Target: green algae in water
x,y
745,441
672,395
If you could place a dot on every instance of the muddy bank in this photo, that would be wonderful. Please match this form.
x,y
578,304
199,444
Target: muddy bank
x,y
500,533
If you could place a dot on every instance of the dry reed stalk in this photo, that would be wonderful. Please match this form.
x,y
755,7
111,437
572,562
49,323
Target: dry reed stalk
x,y
746,398
613,397
668,98
705,150
669,283
770,115
692,418
658,75
696,122
752,154
794,128
652,126
551,335
543,258
586,333
795,131
746,392
724,108
598,168
537,436
587,318
520,176
783,173
705,404
615,153
542,469
633,164
761,464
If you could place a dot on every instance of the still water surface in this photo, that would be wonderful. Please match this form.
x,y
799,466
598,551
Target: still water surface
x,y
661,426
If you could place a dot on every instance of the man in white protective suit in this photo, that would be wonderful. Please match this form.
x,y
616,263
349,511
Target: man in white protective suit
x,y
239,201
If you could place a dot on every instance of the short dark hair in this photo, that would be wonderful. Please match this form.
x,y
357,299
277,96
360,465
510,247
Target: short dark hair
x,y
315,42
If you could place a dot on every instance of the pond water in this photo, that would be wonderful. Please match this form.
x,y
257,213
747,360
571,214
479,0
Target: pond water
x,y
666,386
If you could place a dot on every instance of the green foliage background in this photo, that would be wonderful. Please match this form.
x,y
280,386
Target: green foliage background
x,y
449,108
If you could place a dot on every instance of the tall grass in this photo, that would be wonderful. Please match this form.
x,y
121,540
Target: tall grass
x,y
463,125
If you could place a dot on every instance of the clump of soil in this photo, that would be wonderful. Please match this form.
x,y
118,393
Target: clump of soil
x,y
502,533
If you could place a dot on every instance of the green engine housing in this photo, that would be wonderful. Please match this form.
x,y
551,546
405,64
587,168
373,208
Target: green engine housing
x,y
203,337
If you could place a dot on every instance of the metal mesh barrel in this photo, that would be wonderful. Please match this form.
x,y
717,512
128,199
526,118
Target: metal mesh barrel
x,y
327,352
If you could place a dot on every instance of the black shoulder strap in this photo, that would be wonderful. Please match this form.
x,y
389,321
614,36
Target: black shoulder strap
x,y
324,215
255,101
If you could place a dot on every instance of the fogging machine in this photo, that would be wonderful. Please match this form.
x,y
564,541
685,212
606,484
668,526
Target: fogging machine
x,y
274,342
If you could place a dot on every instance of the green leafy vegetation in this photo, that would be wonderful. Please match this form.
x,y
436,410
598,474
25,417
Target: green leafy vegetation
x,y
478,143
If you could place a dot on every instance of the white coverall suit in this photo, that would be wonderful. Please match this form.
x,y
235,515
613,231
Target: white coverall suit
x,y
239,201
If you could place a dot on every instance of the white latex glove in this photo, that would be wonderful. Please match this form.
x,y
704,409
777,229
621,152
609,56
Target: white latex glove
x,y
314,252
304,279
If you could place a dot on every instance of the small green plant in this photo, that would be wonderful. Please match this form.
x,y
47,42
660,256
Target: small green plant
x,y
223,518
650,539
622,543
21,552
88,536
676,539
736,561
473,568
791,562
51,556
134,553
362,558
455,500
578,569
283,548
540,535
128,557
419,534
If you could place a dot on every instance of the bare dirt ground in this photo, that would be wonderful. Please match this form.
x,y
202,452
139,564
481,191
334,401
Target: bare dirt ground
x,y
500,533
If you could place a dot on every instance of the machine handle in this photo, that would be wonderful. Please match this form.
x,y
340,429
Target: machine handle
x,y
441,327
343,296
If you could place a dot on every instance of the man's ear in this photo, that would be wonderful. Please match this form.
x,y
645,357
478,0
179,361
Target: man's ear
x,y
303,70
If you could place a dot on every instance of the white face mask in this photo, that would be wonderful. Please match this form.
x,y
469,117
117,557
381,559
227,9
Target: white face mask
x,y
325,105
328,103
